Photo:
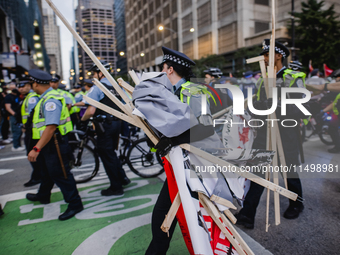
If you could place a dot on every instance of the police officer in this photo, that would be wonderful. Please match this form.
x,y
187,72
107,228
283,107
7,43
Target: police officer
x,y
78,93
247,82
177,66
31,99
50,122
107,129
289,137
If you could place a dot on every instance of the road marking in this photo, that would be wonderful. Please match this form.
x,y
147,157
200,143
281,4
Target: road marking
x,y
5,171
13,158
102,241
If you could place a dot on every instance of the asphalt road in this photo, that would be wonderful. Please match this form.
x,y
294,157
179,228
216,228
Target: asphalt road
x,y
316,231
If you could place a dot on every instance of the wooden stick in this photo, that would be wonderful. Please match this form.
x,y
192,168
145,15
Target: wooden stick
x,y
134,77
171,214
255,59
230,216
215,215
236,235
111,111
123,107
252,177
90,53
126,86
222,201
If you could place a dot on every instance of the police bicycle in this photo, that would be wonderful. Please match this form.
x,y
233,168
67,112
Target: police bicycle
x,y
133,151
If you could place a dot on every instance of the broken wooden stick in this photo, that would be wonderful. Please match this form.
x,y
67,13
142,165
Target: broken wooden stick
x,y
169,218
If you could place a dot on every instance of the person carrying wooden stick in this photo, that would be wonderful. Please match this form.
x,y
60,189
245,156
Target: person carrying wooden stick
x,y
177,67
289,136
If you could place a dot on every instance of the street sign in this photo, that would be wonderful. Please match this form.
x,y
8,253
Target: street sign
x,y
15,48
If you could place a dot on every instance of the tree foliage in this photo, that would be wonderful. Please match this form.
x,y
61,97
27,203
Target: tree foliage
x,y
317,32
206,62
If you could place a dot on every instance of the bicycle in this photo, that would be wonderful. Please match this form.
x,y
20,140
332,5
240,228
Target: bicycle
x,y
133,151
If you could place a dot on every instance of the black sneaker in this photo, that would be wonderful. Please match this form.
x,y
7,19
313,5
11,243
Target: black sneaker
x,y
126,181
244,221
69,213
32,183
35,197
110,192
334,150
293,211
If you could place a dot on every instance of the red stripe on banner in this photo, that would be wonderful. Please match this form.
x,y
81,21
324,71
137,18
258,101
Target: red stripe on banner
x,y
173,190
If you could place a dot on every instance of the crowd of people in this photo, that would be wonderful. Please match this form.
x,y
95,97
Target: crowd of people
x,y
39,106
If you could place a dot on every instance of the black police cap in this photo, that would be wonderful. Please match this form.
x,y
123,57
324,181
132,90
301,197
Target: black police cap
x,y
279,48
176,57
88,81
61,86
77,86
55,77
39,76
248,74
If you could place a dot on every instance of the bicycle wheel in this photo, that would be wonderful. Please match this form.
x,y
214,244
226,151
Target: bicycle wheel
x,y
142,161
325,137
85,164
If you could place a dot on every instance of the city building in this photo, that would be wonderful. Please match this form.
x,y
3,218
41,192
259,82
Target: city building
x,y
95,24
119,12
21,25
144,40
202,27
52,38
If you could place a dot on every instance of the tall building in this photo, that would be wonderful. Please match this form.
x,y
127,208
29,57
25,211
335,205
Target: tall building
x,y
21,24
52,38
219,27
144,40
119,10
95,24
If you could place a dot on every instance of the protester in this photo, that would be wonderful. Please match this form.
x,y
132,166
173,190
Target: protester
x,y
12,105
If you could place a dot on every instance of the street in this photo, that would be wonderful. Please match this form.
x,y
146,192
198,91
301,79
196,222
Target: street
x,y
122,225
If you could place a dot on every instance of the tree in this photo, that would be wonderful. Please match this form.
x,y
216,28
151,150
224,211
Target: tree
x,y
317,33
205,62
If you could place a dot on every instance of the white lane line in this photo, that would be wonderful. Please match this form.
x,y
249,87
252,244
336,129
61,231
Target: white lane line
x,y
5,171
13,158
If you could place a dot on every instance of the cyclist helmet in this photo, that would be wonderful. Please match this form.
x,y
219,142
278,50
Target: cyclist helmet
x,y
295,65
214,71
95,68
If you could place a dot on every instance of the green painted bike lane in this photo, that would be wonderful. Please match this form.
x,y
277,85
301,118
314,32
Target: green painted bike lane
x,y
106,226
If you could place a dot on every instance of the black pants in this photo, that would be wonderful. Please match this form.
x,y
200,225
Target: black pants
x,y
30,143
333,130
4,127
160,241
254,194
107,143
52,173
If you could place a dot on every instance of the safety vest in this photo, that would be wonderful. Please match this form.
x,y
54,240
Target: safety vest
x,y
335,109
64,93
189,89
24,107
291,76
38,121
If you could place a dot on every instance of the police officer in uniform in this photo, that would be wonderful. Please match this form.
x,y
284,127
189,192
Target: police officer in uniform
x,y
31,99
107,129
50,123
289,137
177,66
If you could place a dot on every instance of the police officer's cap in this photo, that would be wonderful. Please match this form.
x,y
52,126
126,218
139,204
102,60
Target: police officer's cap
x,y
88,81
61,86
248,74
279,48
22,81
176,57
95,68
77,86
39,76
55,77
295,65
214,71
